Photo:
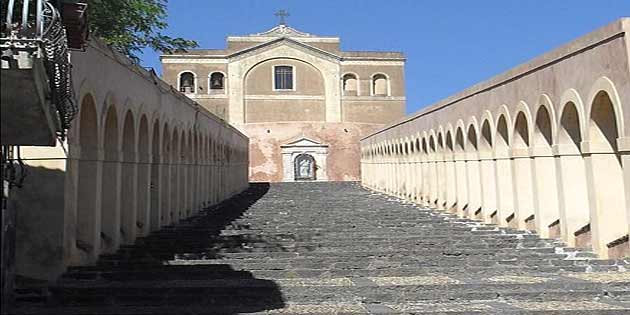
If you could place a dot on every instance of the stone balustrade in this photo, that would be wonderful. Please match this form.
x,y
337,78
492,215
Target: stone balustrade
x,y
544,147
140,156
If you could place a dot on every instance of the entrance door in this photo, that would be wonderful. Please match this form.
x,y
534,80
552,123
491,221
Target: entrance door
x,y
304,166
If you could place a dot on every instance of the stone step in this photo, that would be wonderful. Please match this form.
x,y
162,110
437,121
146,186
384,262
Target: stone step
x,y
335,248
455,262
196,271
324,290
164,252
304,240
600,307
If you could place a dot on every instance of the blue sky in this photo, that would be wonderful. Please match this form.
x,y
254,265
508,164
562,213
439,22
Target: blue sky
x,y
449,44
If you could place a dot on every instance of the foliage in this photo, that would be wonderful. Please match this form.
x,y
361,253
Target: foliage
x,y
132,25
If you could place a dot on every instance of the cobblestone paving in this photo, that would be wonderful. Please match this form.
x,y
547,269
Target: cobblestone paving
x,y
336,248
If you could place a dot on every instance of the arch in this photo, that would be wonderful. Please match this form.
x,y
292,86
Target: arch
x,y
187,82
472,137
506,215
87,217
216,82
128,214
460,143
606,186
166,157
110,193
486,142
502,133
522,169
570,130
603,123
567,130
350,84
110,101
503,130
440,143
544,129
306,79
304,167
521,133
175,183
487,168
547,213
380,85
460,170
473,170
129,138
574,203
604,86
450,170
487,132
432,143
88,128
142,223
184,162
156,187
449,144
548,132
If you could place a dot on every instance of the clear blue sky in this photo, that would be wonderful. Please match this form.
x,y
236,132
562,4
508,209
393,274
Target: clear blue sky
x,y
449,44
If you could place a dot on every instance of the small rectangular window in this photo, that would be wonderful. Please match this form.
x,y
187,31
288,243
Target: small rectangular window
x,y
283,78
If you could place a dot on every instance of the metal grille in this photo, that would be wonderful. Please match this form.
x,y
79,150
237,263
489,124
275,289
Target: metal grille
x,y
59,69
284,77
39,25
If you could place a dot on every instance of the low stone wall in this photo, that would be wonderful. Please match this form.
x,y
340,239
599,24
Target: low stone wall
x,y
139,156
544,146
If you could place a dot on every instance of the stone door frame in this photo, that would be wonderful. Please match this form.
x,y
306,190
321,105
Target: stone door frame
x,y
290,152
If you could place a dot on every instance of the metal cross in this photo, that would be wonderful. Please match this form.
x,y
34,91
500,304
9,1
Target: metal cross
x,y
282,14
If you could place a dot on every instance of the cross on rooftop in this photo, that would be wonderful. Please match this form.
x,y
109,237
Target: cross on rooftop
x,y
282,14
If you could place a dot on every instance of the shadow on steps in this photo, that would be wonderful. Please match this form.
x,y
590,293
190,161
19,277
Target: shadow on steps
x,y
174,270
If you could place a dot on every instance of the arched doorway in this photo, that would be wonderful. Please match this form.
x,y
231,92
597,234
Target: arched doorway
x,y
304,167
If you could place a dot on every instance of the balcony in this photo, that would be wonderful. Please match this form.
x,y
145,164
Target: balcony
x,y
37,100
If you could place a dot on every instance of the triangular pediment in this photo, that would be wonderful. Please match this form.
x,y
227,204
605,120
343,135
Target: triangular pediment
x,y
288,42
304,142
283,30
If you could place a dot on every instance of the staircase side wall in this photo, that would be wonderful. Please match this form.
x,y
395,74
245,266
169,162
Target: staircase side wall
x,y
139,156
544,146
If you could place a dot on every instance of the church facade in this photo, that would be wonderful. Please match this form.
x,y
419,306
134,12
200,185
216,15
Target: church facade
x,y
303,102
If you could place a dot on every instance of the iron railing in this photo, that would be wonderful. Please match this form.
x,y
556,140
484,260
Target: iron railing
x,y
35,27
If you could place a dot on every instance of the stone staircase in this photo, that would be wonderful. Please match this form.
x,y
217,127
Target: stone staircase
x,y
312,248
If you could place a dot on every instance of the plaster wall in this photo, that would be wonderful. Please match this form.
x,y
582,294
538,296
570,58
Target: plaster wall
x,y
266,139
270,110
372,110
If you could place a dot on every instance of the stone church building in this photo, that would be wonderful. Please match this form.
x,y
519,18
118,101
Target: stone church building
x,y
303,102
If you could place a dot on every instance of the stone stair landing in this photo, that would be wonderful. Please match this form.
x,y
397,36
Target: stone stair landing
x,y
327,248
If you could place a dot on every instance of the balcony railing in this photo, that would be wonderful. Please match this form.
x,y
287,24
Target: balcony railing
x,y
32,31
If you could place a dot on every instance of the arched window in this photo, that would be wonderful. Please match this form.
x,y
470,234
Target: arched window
x,y
380,85
217,82
350,85
187,82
